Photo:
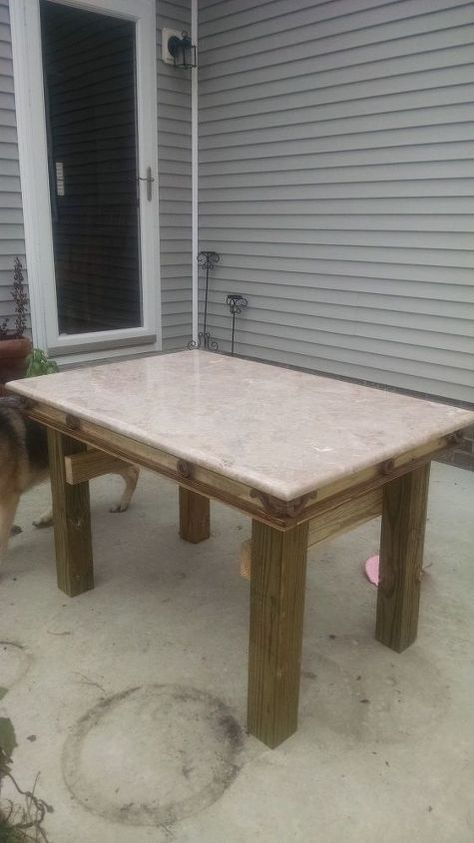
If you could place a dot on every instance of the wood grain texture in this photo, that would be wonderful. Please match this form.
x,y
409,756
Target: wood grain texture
x,y
345,516
277,593
246,559
194,516
401,558
72,522
201,480
330,523
231,492
86,465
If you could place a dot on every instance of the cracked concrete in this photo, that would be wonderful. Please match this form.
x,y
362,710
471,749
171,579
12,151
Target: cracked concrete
x,y
131,699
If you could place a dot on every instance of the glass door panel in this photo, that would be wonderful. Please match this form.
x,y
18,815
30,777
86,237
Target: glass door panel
x,y
89,67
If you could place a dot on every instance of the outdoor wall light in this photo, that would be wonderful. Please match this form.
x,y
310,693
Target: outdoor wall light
x,y
182,50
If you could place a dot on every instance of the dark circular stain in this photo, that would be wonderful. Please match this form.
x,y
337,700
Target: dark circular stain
x,y
152,755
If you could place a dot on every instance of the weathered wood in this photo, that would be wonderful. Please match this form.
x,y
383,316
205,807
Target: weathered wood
x,y
246,559
234,493
330,523
345,516
401,558
72,523
277,594
197,479
194,516
86,465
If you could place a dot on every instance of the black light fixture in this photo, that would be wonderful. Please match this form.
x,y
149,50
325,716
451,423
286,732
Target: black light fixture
x,y
182,50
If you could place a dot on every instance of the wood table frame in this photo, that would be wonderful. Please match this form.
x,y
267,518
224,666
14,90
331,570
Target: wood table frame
x,y
397,489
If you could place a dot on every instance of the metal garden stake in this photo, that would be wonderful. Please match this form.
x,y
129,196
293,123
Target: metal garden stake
x,y
208,261
236,303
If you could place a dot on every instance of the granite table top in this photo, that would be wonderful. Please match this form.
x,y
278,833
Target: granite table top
x,y
282,432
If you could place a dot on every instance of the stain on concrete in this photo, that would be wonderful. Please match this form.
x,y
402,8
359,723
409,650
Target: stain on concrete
x,y
153,755
231,729
365,696
308,674
3,691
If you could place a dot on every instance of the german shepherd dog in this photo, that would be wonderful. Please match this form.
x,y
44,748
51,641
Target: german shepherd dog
x,y
24,463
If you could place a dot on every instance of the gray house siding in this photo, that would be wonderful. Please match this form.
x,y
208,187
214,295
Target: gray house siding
x,y
174,161
336,181
12,241
174,139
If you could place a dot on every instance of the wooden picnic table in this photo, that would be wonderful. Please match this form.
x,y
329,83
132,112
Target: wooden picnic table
x,y
304,456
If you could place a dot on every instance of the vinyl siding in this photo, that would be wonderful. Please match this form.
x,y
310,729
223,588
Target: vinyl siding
x,y
336,181
174,156
12,241
174,142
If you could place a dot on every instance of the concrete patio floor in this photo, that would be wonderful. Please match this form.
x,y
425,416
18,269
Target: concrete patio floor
x,y
130,700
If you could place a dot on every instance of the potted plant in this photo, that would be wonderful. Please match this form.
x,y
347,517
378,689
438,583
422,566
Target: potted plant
x,y
38,363
14,346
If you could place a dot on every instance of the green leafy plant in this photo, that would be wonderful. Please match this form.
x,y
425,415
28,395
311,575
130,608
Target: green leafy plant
x,y
38,363
20,297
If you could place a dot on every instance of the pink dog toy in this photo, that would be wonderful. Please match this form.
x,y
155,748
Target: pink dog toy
x,y
372,569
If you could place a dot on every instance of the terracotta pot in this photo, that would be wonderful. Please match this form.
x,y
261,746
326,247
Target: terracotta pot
x,y
13,354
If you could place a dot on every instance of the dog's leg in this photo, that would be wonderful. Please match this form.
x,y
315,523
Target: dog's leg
x,y
130,475
8,507
45,520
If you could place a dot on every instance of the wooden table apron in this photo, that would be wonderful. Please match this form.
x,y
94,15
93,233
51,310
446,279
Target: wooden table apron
x,y
281,531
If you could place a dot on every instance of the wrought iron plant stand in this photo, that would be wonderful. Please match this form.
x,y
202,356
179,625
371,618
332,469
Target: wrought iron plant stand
x,y
236,302
208,261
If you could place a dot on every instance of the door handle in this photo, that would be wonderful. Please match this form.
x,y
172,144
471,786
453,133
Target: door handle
x,y
149,181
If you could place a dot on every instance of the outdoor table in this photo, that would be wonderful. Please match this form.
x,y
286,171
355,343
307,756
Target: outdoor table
x,y
304,456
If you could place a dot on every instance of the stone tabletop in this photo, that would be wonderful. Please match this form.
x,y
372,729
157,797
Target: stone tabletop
x,y
280,431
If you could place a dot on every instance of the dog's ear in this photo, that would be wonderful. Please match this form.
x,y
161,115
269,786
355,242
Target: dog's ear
x,y
15,402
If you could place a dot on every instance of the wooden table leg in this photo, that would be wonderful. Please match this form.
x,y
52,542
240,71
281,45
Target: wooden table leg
x,y
194,516
72,520
277,591
401,558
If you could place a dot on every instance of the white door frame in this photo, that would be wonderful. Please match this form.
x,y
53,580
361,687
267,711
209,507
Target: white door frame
x,y
33,155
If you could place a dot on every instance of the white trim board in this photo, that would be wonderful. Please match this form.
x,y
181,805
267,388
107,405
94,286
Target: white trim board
x,y
195,176
31,123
